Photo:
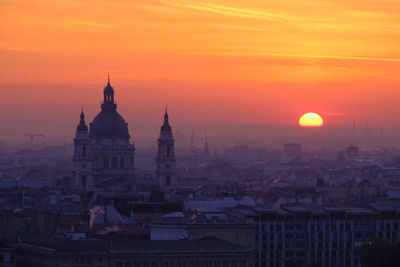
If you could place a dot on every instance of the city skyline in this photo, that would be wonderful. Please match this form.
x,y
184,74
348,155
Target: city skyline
x,y
213,63
200,133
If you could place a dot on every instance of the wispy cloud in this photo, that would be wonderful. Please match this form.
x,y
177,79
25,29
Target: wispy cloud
x,y
325,57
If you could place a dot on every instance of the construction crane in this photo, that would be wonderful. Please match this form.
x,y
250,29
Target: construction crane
x,y
32,137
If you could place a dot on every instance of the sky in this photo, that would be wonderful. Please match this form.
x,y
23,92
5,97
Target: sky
x,y
220,62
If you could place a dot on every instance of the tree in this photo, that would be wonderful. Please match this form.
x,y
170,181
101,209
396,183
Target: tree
x,y
381,253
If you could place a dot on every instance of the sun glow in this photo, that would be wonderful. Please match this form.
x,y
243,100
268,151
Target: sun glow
x,y
311,119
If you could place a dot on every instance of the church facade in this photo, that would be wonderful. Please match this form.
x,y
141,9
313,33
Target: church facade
x,y
104,154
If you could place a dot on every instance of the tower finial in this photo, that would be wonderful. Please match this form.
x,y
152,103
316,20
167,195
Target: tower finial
x,y
108,79
166,109
166,126
82,114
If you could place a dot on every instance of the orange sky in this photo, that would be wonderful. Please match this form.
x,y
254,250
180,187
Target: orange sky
x,y
213,62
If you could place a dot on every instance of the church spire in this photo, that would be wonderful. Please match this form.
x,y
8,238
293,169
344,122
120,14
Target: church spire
x,y
166,154
82,124
206,150
166,126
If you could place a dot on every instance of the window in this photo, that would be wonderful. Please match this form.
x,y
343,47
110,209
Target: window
x,y
83,182
113,163
122,163
84,150
168,180
105,162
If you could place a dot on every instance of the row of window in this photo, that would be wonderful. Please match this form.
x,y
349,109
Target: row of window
x,y
198,263
111,163
320,263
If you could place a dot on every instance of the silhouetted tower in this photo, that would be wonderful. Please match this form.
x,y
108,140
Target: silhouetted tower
x,y
366,128
192,144
82,168
206,150
166,155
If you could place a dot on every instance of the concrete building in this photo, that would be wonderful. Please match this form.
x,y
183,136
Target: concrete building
x,y
202,224
309,235
131,253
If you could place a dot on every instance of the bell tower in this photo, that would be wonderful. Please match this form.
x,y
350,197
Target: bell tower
x,y
166,155
81,174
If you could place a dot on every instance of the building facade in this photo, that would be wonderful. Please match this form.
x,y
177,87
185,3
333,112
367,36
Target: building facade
x,y
104,154
302,235
132,253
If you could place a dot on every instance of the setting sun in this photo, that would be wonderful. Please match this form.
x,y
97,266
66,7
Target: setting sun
x,y
311,119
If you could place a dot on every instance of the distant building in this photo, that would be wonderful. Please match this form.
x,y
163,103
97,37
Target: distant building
x,y
206,151
242,153
218,203
291,151
351,152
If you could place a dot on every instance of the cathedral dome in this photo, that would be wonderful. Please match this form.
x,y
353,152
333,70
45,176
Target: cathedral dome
x,y
109,124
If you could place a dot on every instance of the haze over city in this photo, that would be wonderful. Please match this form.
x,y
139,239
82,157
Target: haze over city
x,y
213,62
190,133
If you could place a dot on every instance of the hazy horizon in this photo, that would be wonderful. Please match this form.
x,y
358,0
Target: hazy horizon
x,y
212,63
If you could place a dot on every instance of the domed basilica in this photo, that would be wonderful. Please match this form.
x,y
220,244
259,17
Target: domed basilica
x,y
104,155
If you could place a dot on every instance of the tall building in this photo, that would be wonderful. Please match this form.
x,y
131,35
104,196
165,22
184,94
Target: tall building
x,y
111,149
104,155
166,155
82,162
310,235
192,143
206,149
